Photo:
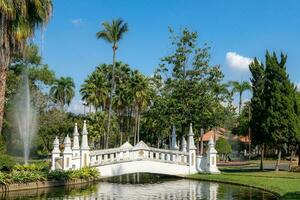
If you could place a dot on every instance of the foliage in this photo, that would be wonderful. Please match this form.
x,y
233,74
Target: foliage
x,y
132,96
53,123
83,173
223,147
26,176
274,104
240,88
191,86
62,91
112,32
44,166
242,127
19,19
6,163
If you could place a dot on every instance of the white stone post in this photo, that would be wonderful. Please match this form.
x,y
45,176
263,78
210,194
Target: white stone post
x,y
67,154
76,147
174,145
212,158
55,153
183,144
192,151
85,149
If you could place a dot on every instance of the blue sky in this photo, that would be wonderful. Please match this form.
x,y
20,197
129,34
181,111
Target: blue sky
x,y
237,31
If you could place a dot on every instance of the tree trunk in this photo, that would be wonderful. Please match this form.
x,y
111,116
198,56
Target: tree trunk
x,y
3,77
138,127
135,128
278,160
291,159
298,155
262,157
111,96
201,143
240,103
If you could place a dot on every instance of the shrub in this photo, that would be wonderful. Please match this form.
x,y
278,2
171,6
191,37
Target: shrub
x,y
26,176
58,175
3,178
84,173
32,167
223,147
6,163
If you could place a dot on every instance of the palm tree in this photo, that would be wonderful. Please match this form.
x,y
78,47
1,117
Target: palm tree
x,y
140,91
95,88
240,88
18,20
112,33
62,91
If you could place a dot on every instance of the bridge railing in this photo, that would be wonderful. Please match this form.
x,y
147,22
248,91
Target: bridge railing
x,y
109,156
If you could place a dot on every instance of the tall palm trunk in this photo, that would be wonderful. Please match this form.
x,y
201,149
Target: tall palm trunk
x,y
240,103
4,62
111,95
3,77
135,127
138,127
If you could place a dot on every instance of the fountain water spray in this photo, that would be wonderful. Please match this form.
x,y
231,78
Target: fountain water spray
x,y
25,116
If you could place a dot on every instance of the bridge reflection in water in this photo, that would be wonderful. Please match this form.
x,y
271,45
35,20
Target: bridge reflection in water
x,y
144,186
176,189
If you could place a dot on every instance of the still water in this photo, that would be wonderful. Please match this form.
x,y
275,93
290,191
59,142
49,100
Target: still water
x,y
144,186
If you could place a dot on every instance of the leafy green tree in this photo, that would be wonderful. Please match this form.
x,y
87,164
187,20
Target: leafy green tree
x,y
53,123
223,148
240,88
191,85
18,21
112,33
97,129
62,91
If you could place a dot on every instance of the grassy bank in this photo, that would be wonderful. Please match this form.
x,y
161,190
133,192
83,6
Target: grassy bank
x,y
284,184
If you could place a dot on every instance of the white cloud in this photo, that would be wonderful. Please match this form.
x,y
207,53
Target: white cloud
x,y
76,107
237,62
77,22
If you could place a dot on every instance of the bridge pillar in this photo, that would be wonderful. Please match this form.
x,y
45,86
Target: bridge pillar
x,y
174,145
212,158
55,153
76,149
85,149
192,151
67,154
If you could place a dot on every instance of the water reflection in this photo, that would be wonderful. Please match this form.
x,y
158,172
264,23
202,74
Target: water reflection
x,y
139,187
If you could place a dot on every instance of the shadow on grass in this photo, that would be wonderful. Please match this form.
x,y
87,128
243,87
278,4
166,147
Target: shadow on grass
x,y
244,170
291,196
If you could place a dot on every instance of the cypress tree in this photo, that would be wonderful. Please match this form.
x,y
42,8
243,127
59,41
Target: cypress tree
x,y
258,134
279,121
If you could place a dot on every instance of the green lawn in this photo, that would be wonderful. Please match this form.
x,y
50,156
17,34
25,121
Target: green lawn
x,y
284,184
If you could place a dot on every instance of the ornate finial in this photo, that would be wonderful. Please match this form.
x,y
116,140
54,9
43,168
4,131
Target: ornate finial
x,y
67,140
191,129
75,130
84,130
56,141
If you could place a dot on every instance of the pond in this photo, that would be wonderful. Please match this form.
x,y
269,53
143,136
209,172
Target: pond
x,y
145,186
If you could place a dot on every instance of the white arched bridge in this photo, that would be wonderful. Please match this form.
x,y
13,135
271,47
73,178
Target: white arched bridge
x,y
128,159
